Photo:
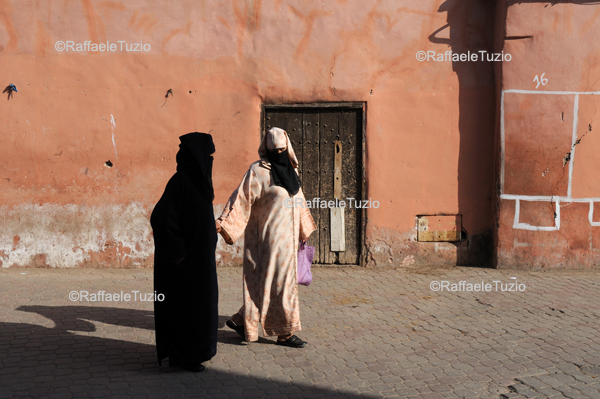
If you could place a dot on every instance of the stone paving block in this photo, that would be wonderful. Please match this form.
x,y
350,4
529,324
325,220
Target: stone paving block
x,y
524,391
590,392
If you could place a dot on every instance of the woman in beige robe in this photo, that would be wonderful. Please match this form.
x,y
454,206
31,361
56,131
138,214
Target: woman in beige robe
x,y
273,227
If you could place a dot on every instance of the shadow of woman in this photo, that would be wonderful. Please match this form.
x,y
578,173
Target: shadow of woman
x,y
38,361
79,319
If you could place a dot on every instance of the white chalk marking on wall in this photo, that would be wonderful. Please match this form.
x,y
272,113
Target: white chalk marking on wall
x,y
543,81
550,92
526,226
568,198
591,214
573,139
502,143
562,198
503,131
528,197
517,211
112,122
545,198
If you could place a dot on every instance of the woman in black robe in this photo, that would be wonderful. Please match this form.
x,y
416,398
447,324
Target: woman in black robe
x,y
185,239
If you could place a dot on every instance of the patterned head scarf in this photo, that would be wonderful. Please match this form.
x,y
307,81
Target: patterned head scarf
x,y
274,139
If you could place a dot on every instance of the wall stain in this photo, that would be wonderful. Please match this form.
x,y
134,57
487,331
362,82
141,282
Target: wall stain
x,y
246,22
309,21
256,14
363,38
108,6
42,39
13,36
174,33
589,23
145,23
96,28
224,22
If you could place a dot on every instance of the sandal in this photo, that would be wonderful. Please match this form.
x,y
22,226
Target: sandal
x,y
238,329
294,342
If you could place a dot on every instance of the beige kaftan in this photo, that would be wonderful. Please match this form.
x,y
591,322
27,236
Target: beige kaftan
x,y
272,231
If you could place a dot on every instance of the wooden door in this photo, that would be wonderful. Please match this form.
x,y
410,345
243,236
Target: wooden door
x,y
314,132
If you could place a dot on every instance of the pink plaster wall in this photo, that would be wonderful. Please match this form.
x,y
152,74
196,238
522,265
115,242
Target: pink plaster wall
x,y
430,125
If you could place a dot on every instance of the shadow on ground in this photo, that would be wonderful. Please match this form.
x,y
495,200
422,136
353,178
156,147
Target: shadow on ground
x,y
37,361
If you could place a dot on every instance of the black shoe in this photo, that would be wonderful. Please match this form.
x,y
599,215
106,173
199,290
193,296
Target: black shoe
x,y
293,342
193,369
238,329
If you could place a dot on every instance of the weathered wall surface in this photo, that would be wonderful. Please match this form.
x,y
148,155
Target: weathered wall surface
x,y
429,138
548,137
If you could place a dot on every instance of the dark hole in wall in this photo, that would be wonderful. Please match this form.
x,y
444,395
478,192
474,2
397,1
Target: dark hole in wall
x,y
108,164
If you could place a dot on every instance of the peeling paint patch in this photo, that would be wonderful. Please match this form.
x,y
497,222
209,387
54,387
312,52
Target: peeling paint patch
x,y
545,172
66,236
408,261
63,236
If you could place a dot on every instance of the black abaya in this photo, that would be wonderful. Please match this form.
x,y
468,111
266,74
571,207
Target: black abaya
x,y
185,240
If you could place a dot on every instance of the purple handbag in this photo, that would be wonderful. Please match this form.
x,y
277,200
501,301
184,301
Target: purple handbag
x,y
306,253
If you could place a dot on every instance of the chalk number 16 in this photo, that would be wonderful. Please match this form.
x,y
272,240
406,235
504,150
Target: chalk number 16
x,y
540,80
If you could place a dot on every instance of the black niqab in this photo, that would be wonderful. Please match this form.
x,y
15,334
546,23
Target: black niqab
x,y
194,159
283,172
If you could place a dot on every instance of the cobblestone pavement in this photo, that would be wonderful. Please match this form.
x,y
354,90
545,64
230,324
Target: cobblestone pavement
x,y
372,333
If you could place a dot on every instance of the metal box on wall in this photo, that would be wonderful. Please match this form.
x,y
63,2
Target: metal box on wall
x,y
439,228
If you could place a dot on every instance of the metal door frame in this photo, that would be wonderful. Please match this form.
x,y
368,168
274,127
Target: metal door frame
x,y
363,186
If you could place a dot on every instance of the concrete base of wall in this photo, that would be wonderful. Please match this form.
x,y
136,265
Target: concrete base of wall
x,y
120,236
390,248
